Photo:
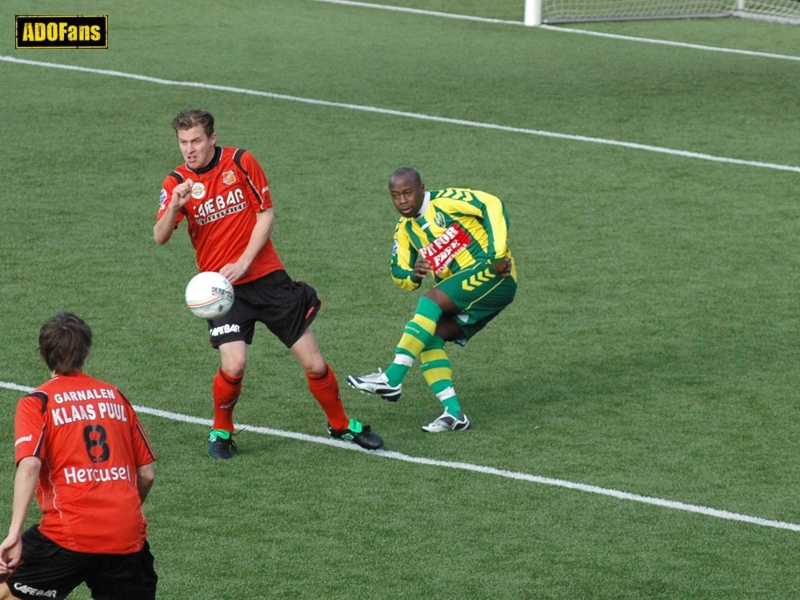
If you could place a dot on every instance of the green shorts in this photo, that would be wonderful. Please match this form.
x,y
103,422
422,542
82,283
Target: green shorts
x,y
479,294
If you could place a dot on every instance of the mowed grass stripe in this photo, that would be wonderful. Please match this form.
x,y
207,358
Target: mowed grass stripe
x,y
462,466
410,115
420,11
613,36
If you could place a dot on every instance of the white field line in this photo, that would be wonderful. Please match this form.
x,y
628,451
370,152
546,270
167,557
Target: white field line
x,y
628,38
408,115
419,11
582,487
667,42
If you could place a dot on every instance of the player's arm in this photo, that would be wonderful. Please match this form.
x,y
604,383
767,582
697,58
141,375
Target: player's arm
x,y
265,222
24,488
145,477
165,226
494,219
495,222
144,455
407,270
260,199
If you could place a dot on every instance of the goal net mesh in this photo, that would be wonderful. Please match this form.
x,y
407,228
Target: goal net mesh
x,y
562,11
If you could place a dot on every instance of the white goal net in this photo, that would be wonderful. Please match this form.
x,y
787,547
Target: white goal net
x,y
565,11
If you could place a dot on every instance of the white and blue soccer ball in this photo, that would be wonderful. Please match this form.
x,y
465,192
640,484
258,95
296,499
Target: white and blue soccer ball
x,y
209,295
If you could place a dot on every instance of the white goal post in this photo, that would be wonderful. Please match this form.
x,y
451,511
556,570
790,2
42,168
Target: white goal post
x,y
538,12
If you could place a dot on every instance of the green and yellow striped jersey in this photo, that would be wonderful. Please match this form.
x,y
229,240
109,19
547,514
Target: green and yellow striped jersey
x,y
482,216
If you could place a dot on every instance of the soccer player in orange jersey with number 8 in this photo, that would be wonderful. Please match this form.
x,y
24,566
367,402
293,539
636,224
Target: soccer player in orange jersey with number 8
x,y
224,196
80,447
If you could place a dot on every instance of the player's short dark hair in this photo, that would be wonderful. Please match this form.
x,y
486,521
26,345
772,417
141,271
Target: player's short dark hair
x,y
192,117
406,171
64,343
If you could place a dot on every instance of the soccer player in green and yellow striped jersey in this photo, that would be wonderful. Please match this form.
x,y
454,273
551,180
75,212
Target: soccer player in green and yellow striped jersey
x,y
460,237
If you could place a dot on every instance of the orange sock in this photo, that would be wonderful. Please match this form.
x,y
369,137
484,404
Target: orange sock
x,y
226,394
325,388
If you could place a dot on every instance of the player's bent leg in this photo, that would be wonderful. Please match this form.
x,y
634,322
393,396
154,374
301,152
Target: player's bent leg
x,y
448,329
324,386
418,331
478,288
443,301
479,295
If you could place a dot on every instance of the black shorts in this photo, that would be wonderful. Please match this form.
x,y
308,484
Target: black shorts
x,y
286,307
49,571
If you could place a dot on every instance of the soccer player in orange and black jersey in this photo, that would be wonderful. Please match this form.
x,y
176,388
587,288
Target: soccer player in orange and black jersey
x,y
223,195
80,447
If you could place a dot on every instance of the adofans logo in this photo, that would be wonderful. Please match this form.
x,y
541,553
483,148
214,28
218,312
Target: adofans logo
x,y
64,31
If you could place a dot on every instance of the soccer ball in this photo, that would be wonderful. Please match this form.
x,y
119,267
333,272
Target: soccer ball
x,y
209,295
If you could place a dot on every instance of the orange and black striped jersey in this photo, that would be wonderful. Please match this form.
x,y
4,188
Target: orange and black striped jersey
x,y
221,214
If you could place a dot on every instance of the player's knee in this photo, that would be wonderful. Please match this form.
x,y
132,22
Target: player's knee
x,y
441,300
312,361
235,372
315,365
234,367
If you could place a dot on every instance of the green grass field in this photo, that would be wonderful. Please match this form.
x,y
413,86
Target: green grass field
x,y
652,348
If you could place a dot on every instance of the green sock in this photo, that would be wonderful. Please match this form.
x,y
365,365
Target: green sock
x,y
418,332
435,367
452,406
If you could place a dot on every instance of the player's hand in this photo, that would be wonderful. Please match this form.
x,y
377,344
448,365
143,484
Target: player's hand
x,y
233,271
503,267
421,269
181,193
10,553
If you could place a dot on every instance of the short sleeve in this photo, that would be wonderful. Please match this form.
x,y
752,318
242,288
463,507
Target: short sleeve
x,y
29,426
165,198
257,180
